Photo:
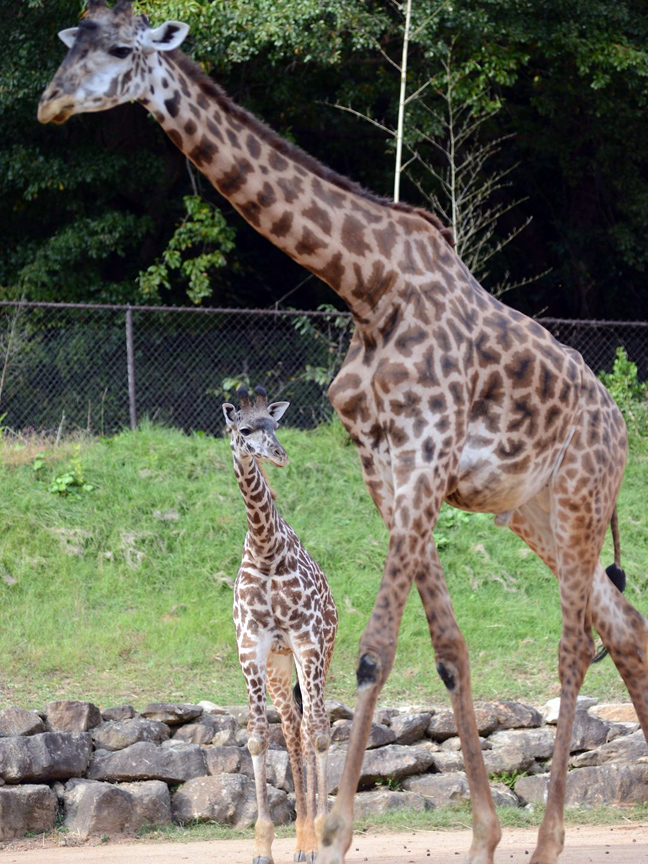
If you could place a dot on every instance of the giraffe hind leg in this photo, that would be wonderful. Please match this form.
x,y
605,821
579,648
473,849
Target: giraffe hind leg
x,y
624,632
618,578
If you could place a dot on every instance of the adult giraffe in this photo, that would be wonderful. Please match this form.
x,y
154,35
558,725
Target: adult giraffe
x,y
448,394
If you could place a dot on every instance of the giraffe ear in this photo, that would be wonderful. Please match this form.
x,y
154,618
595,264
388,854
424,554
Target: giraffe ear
x,y
166,37
277,409
230,414
68,36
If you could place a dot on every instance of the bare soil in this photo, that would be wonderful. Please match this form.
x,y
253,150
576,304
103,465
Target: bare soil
x,y
619,844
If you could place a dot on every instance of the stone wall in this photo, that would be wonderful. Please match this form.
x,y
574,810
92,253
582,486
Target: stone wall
x,y
116,771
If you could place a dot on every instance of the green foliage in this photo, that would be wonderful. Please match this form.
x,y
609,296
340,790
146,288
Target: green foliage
x,y
203,227
70,482
628,392
87,209
334,339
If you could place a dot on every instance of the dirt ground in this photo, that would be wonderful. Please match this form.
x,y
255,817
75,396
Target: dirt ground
x,y
619,844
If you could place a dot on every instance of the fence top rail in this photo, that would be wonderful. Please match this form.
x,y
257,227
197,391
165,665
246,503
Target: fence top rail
x,y
317,313
116,307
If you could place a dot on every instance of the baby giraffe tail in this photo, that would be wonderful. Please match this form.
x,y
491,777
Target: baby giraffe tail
x,y
616,575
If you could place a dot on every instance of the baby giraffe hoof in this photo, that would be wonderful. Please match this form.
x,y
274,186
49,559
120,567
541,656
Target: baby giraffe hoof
x,y
261,859
299,856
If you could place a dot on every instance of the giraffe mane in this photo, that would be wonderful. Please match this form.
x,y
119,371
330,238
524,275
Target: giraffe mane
x,y
286,148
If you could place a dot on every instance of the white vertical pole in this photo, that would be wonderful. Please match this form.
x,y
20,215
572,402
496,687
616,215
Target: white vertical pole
x,y
401,102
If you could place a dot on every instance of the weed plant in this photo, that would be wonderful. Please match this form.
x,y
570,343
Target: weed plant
x,y
118,558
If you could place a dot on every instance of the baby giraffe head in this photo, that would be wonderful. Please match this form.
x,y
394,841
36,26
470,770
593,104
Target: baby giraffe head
x,y
252,427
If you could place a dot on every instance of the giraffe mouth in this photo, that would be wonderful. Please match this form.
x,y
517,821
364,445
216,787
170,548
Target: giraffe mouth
x,y
54,112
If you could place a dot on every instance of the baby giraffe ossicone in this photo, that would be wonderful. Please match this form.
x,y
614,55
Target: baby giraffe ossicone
x,y
285,617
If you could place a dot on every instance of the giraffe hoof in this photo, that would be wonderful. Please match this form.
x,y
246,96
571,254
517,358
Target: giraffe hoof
x,y
261,859
299,856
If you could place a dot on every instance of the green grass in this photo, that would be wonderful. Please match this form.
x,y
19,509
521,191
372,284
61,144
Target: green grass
x,y
124,592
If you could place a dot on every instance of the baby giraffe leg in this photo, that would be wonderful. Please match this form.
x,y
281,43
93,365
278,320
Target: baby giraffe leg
x,y
280,672
253,660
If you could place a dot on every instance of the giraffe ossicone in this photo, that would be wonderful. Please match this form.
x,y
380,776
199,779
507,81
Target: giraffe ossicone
x,y
448,394
285,618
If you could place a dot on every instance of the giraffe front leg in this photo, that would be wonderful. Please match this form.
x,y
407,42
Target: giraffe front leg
x,y
253,663
454,669
376,657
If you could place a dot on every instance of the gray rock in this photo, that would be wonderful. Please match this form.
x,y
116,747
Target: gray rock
x,y
379,735
172,713
28,808
626,750
503,795
591,787
366,805
442,725
535,743
515,715
276,737
552,708
278,770
588,732
204,729
240,713
410,728
211,707
228,799
225,729
44,757
338,710
384,715
119,734
392,762
93,808
441,790
145,761
72,716
18,721
228,760
150,803
118,713
445,761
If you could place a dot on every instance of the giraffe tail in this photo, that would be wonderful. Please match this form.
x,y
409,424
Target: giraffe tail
x,y
297,696
615,574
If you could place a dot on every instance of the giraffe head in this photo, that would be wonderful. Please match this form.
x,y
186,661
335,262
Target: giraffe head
x,y
252,427
107,62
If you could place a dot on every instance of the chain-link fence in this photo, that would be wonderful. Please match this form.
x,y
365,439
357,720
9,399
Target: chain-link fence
x,y
101,368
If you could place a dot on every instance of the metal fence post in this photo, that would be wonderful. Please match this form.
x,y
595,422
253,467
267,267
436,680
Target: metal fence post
x,y
130,362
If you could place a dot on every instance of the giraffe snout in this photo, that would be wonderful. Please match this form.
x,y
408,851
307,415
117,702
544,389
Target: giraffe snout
x,y
54,106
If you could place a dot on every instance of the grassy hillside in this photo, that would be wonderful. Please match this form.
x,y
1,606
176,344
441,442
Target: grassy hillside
x,y
123,591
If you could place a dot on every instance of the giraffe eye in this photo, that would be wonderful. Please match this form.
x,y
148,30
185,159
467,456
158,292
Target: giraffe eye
x,y
245,431
120,51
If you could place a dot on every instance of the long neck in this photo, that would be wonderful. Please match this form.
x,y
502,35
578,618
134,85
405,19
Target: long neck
x,y
347,238
262,515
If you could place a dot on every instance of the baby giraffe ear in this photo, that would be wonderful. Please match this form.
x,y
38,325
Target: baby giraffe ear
x,y
230,414
277,409
166,37
68,36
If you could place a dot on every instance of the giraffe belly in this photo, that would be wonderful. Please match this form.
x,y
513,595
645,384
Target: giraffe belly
x,y
488,483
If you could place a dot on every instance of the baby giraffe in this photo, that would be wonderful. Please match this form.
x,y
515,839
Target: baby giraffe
x,y
284,615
